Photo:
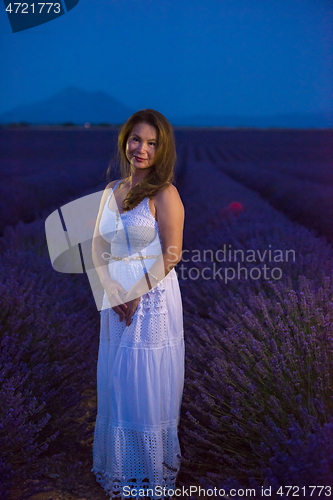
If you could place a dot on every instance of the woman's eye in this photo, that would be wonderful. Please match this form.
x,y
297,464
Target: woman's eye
x,y
152,143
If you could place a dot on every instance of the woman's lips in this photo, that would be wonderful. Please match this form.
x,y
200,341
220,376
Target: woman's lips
x,y
139,159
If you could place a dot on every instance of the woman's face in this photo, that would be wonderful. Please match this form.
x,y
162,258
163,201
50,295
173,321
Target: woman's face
x,y
141,146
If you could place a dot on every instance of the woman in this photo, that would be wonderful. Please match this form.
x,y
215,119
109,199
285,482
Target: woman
x,y
140,370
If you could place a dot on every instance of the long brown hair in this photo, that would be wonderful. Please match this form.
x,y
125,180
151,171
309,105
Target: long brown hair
x,y
162,170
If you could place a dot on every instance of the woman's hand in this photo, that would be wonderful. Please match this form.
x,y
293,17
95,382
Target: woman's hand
x,y
116,293
131,308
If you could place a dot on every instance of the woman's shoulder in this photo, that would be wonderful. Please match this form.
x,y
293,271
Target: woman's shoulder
x,y
169,191
112,184
107,191
168,195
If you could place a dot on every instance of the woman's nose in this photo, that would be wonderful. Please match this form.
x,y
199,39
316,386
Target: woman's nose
x,y
141,146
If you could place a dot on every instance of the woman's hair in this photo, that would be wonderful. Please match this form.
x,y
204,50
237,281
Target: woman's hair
x,y
161,173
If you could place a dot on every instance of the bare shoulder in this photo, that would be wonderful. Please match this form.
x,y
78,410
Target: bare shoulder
x,y
168,195
104,197
105,193
169,206
111,184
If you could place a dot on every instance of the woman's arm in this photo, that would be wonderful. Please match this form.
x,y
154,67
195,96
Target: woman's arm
x,y
170,217
100,245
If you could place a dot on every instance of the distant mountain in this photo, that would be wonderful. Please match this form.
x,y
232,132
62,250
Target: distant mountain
x,y
279,120
78,106
71,104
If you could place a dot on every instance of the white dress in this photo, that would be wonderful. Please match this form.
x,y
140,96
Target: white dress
x,y
140,370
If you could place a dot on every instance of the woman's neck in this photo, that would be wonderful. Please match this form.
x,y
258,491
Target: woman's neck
x,y
137,176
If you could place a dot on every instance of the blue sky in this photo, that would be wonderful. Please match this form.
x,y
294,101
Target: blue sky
x,y
237,57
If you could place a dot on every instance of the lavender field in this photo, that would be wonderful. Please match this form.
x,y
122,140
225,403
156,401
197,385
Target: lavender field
x,y
257,286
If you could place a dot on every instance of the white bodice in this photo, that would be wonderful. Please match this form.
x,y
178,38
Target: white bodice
x,y
130,235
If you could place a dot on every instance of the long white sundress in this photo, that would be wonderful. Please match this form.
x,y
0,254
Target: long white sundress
x,y
140,370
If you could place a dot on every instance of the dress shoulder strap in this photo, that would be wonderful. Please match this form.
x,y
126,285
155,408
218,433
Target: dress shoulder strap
x,y
111,194
112,191
116,184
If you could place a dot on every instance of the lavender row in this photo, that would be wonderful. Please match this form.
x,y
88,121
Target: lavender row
x,y
309,202
45,343
44,169
257,403
48,341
